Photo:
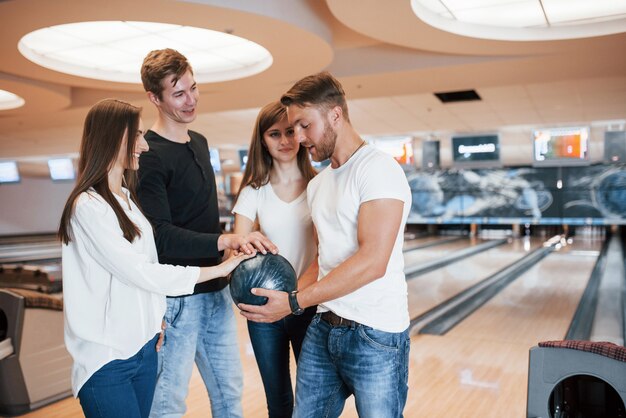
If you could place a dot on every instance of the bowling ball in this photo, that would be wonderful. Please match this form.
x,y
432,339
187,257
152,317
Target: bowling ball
x,y
267,271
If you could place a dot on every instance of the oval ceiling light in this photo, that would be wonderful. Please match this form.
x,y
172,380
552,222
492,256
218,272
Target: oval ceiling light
x,y
524,20
9,100
114,50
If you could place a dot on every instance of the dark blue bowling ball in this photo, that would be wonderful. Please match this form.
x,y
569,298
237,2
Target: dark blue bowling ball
x,y
267,271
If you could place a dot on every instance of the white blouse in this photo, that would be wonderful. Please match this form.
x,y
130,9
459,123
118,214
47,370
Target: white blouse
x,y
113,290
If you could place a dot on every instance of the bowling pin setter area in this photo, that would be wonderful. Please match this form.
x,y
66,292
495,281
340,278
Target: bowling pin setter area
x,y
479,304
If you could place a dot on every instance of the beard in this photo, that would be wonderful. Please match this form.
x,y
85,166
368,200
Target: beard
x,y
326,147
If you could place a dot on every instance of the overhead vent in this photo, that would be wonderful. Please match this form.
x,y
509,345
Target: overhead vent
x,y
458,96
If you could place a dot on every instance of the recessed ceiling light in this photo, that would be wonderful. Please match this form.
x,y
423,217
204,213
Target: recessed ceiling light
x,y
9,100
524,20
114,50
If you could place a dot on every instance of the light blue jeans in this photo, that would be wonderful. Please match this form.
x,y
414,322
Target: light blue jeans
x,y
336,362
200,328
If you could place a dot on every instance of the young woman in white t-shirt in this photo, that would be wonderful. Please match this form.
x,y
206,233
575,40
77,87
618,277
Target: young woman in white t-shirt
x,y
114,289
272,198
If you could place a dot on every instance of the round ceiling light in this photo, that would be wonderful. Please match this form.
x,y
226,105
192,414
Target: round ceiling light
x,y
9,100
114,50
524,20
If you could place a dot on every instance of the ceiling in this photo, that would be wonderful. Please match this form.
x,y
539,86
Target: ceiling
x,y
389,62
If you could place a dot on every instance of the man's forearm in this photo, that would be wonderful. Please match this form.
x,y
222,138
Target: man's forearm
x,y
309,276
176,242
354,273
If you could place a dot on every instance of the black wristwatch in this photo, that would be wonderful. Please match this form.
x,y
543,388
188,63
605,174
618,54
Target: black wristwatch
x,y
293,303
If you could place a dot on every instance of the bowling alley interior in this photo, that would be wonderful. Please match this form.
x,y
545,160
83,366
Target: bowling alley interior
x,y
508,119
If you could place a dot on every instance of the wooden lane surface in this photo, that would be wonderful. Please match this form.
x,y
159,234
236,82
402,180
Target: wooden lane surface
x,y
466,378
540,304
430,289
480,368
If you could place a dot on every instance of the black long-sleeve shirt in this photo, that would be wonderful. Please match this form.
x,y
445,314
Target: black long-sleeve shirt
x,y
177,193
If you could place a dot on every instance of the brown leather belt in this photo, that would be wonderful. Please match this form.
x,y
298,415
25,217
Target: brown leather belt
x,y
337,321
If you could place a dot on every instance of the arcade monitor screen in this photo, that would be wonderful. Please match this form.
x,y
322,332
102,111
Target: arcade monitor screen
x,y
9,172
214,155
61,169
561,147
243,159
476,151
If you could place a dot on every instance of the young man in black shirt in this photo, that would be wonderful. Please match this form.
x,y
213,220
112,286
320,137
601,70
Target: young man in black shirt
x,y
178,194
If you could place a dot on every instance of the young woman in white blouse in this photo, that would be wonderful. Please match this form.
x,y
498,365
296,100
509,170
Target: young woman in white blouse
x,y
272,198
113,287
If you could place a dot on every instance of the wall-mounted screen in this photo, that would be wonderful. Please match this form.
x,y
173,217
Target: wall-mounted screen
x,y
476,151
61,169
319,166
214,155
9,172
615,147
561,147
400,148
243,158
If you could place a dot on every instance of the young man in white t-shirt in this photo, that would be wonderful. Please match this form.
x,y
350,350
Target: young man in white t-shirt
x,y
358,343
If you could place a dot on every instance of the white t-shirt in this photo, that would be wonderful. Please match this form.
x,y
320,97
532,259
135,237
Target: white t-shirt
x,y
288,225
113,290
335,196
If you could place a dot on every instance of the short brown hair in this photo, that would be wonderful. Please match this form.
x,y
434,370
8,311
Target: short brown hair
x,y
321,89
162,63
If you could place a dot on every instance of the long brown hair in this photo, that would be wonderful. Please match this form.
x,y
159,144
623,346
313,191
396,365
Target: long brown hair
x,y
103,134
260,162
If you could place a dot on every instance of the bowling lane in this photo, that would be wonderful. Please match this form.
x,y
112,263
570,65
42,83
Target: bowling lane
x,y
540,304
424,255
457,377
430,289
28,252
427,240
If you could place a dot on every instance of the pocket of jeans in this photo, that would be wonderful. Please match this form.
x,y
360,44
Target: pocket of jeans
x,y
316,318
173,311
379,339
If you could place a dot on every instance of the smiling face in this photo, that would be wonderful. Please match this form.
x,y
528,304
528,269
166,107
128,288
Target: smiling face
x,y
280,141
313,130
140,146
178,101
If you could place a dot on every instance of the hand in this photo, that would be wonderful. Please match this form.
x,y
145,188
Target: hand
x,y
159,343
233,261
249,244
277,306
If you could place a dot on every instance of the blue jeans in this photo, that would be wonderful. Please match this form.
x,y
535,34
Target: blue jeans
x,y
200,328
122,388
271,350
337,362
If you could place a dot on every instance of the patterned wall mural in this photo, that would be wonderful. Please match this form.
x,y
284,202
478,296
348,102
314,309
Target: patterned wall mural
x,y
594,195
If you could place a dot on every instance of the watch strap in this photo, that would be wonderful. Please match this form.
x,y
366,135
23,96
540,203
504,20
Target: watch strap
x,y
293,303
